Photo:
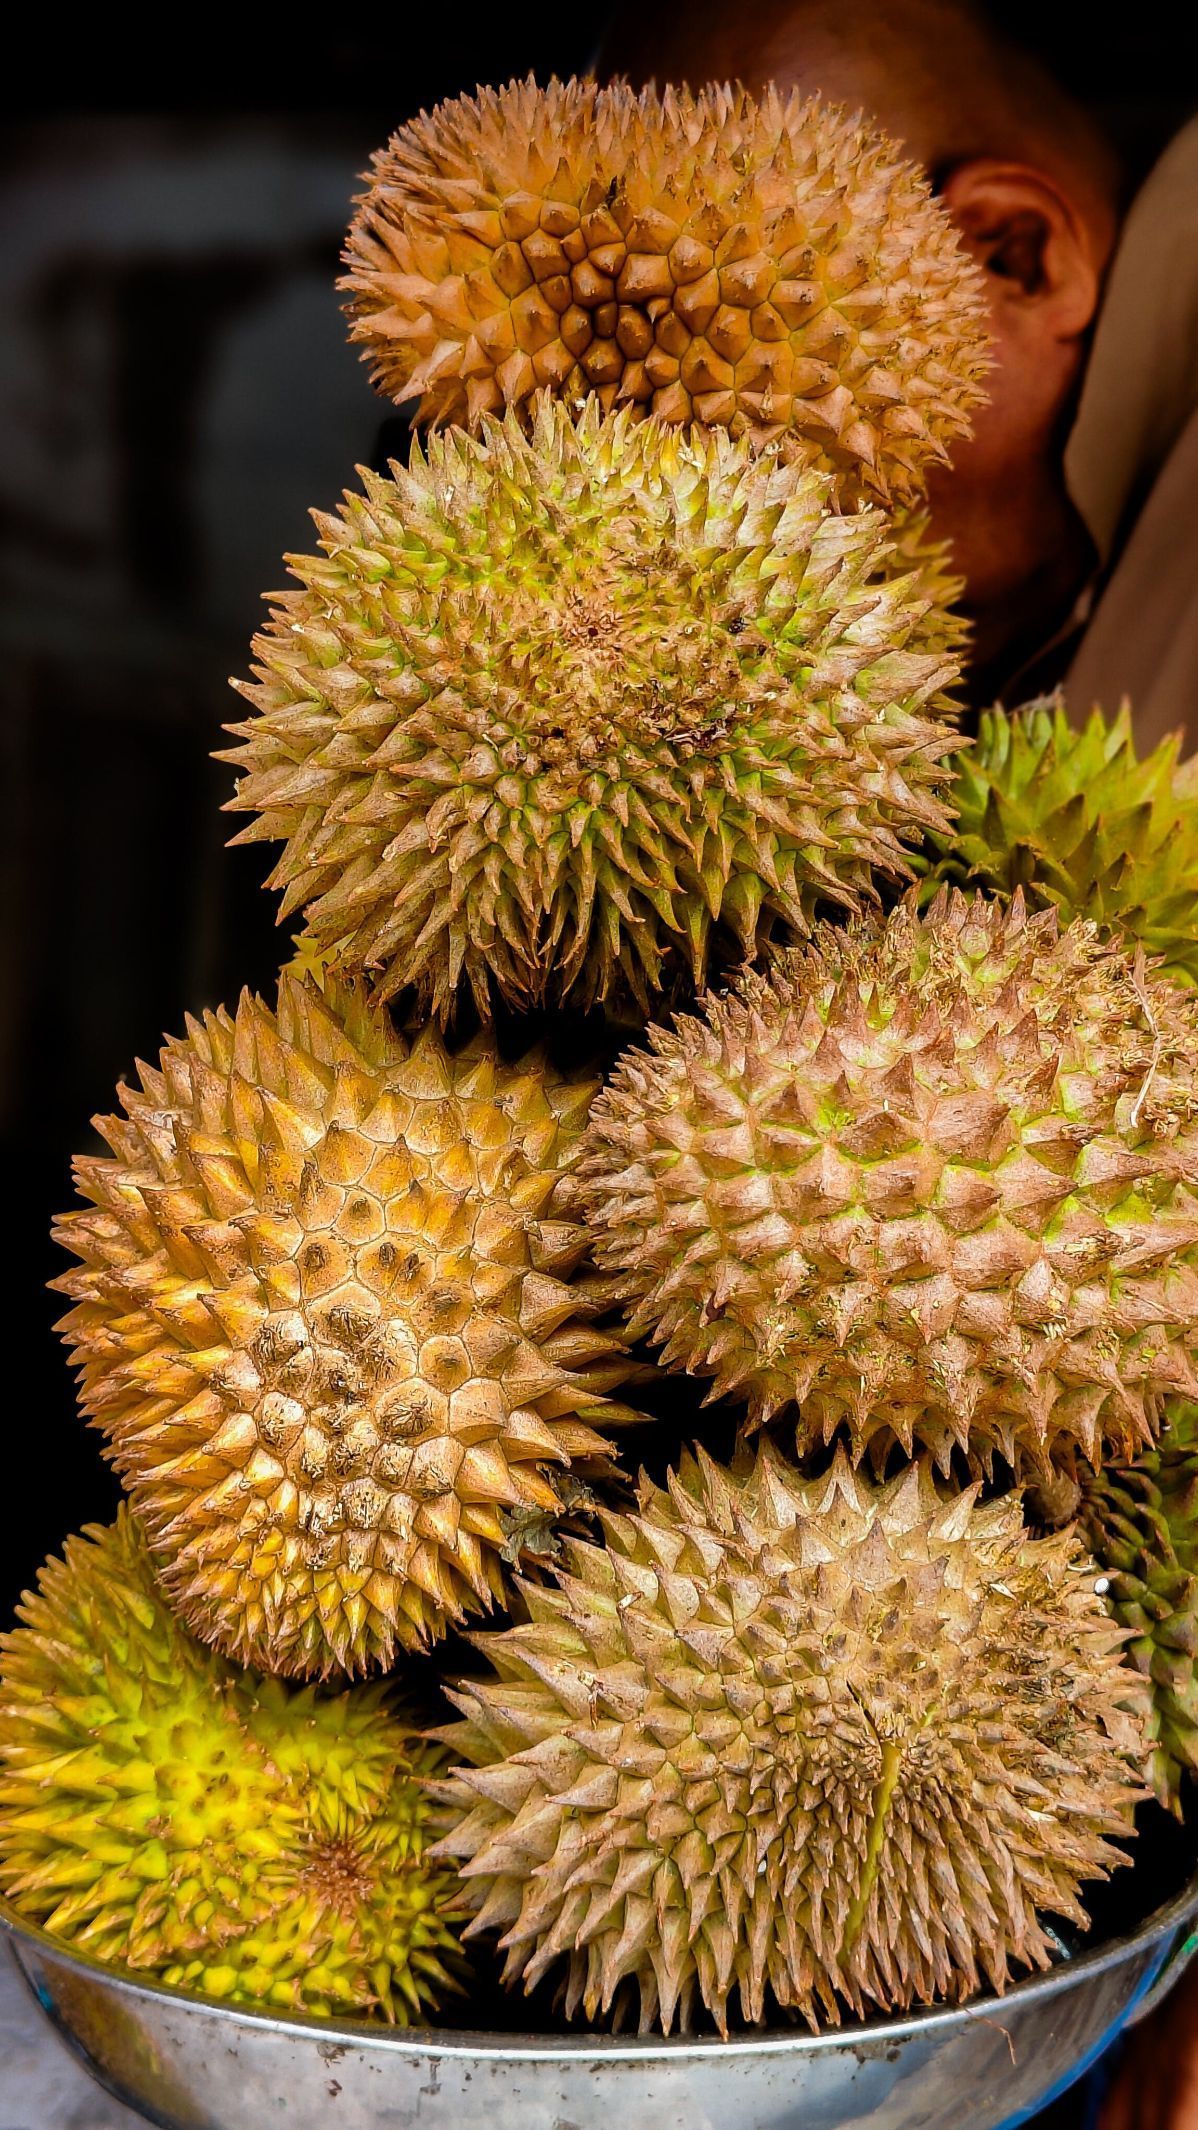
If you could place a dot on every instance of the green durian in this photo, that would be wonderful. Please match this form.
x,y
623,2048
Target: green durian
x,y
206,1827
1078,821
1141,1521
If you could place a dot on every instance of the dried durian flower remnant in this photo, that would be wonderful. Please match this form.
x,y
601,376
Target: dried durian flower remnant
x,y
817,1741
581,715
769,266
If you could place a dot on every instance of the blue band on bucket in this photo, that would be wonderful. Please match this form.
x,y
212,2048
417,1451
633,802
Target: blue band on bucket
x,y
1091,2057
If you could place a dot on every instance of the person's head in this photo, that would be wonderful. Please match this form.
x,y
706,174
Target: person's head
x,y
1034,189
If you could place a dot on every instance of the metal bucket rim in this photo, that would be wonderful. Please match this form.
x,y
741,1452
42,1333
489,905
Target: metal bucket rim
x,y
482,2046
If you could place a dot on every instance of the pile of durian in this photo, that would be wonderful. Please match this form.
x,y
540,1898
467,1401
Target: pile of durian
x,y
679,1001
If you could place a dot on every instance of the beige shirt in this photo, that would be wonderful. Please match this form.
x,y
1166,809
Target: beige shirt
x,y
1132,463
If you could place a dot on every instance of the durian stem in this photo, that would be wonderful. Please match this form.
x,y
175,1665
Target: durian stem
x,y
891,1762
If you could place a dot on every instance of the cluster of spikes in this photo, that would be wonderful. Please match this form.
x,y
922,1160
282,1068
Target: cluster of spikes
x,y
1081,825
1141,1521
674,1785
933,1181
632,694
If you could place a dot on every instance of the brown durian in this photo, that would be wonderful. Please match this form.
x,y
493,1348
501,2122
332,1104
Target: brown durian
x,y
934,1182
766,265
815,1743
579,716
327,1320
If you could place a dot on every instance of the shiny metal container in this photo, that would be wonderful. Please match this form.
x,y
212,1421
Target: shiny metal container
x,y
192,2064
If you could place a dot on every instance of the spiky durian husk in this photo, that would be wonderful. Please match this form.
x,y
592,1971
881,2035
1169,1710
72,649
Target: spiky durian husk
x,y
1078,822
1142,1523
258,1842
936,1181
325,1318
572,715
766,265
826,1740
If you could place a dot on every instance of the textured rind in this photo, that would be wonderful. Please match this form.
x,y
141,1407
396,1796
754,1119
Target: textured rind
x,y
1077,821
936,1181
329,1323
766,265
581,714
1142,1522
258,1842
822,1743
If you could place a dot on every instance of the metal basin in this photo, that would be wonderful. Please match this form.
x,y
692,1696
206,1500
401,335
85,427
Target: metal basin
x,y
190,2063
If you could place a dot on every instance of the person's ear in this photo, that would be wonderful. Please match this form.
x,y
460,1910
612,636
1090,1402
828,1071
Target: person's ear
x,y
1033,245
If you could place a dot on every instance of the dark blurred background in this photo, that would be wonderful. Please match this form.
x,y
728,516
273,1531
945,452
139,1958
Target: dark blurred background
x,y
176,389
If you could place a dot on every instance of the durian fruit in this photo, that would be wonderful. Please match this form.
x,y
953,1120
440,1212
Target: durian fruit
x,y
571,716
254,1841
827,1740
766,265
1078,822
325,1317
1141,1520
934,1181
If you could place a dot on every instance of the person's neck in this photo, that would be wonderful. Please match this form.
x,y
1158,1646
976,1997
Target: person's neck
x,y
1016,626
